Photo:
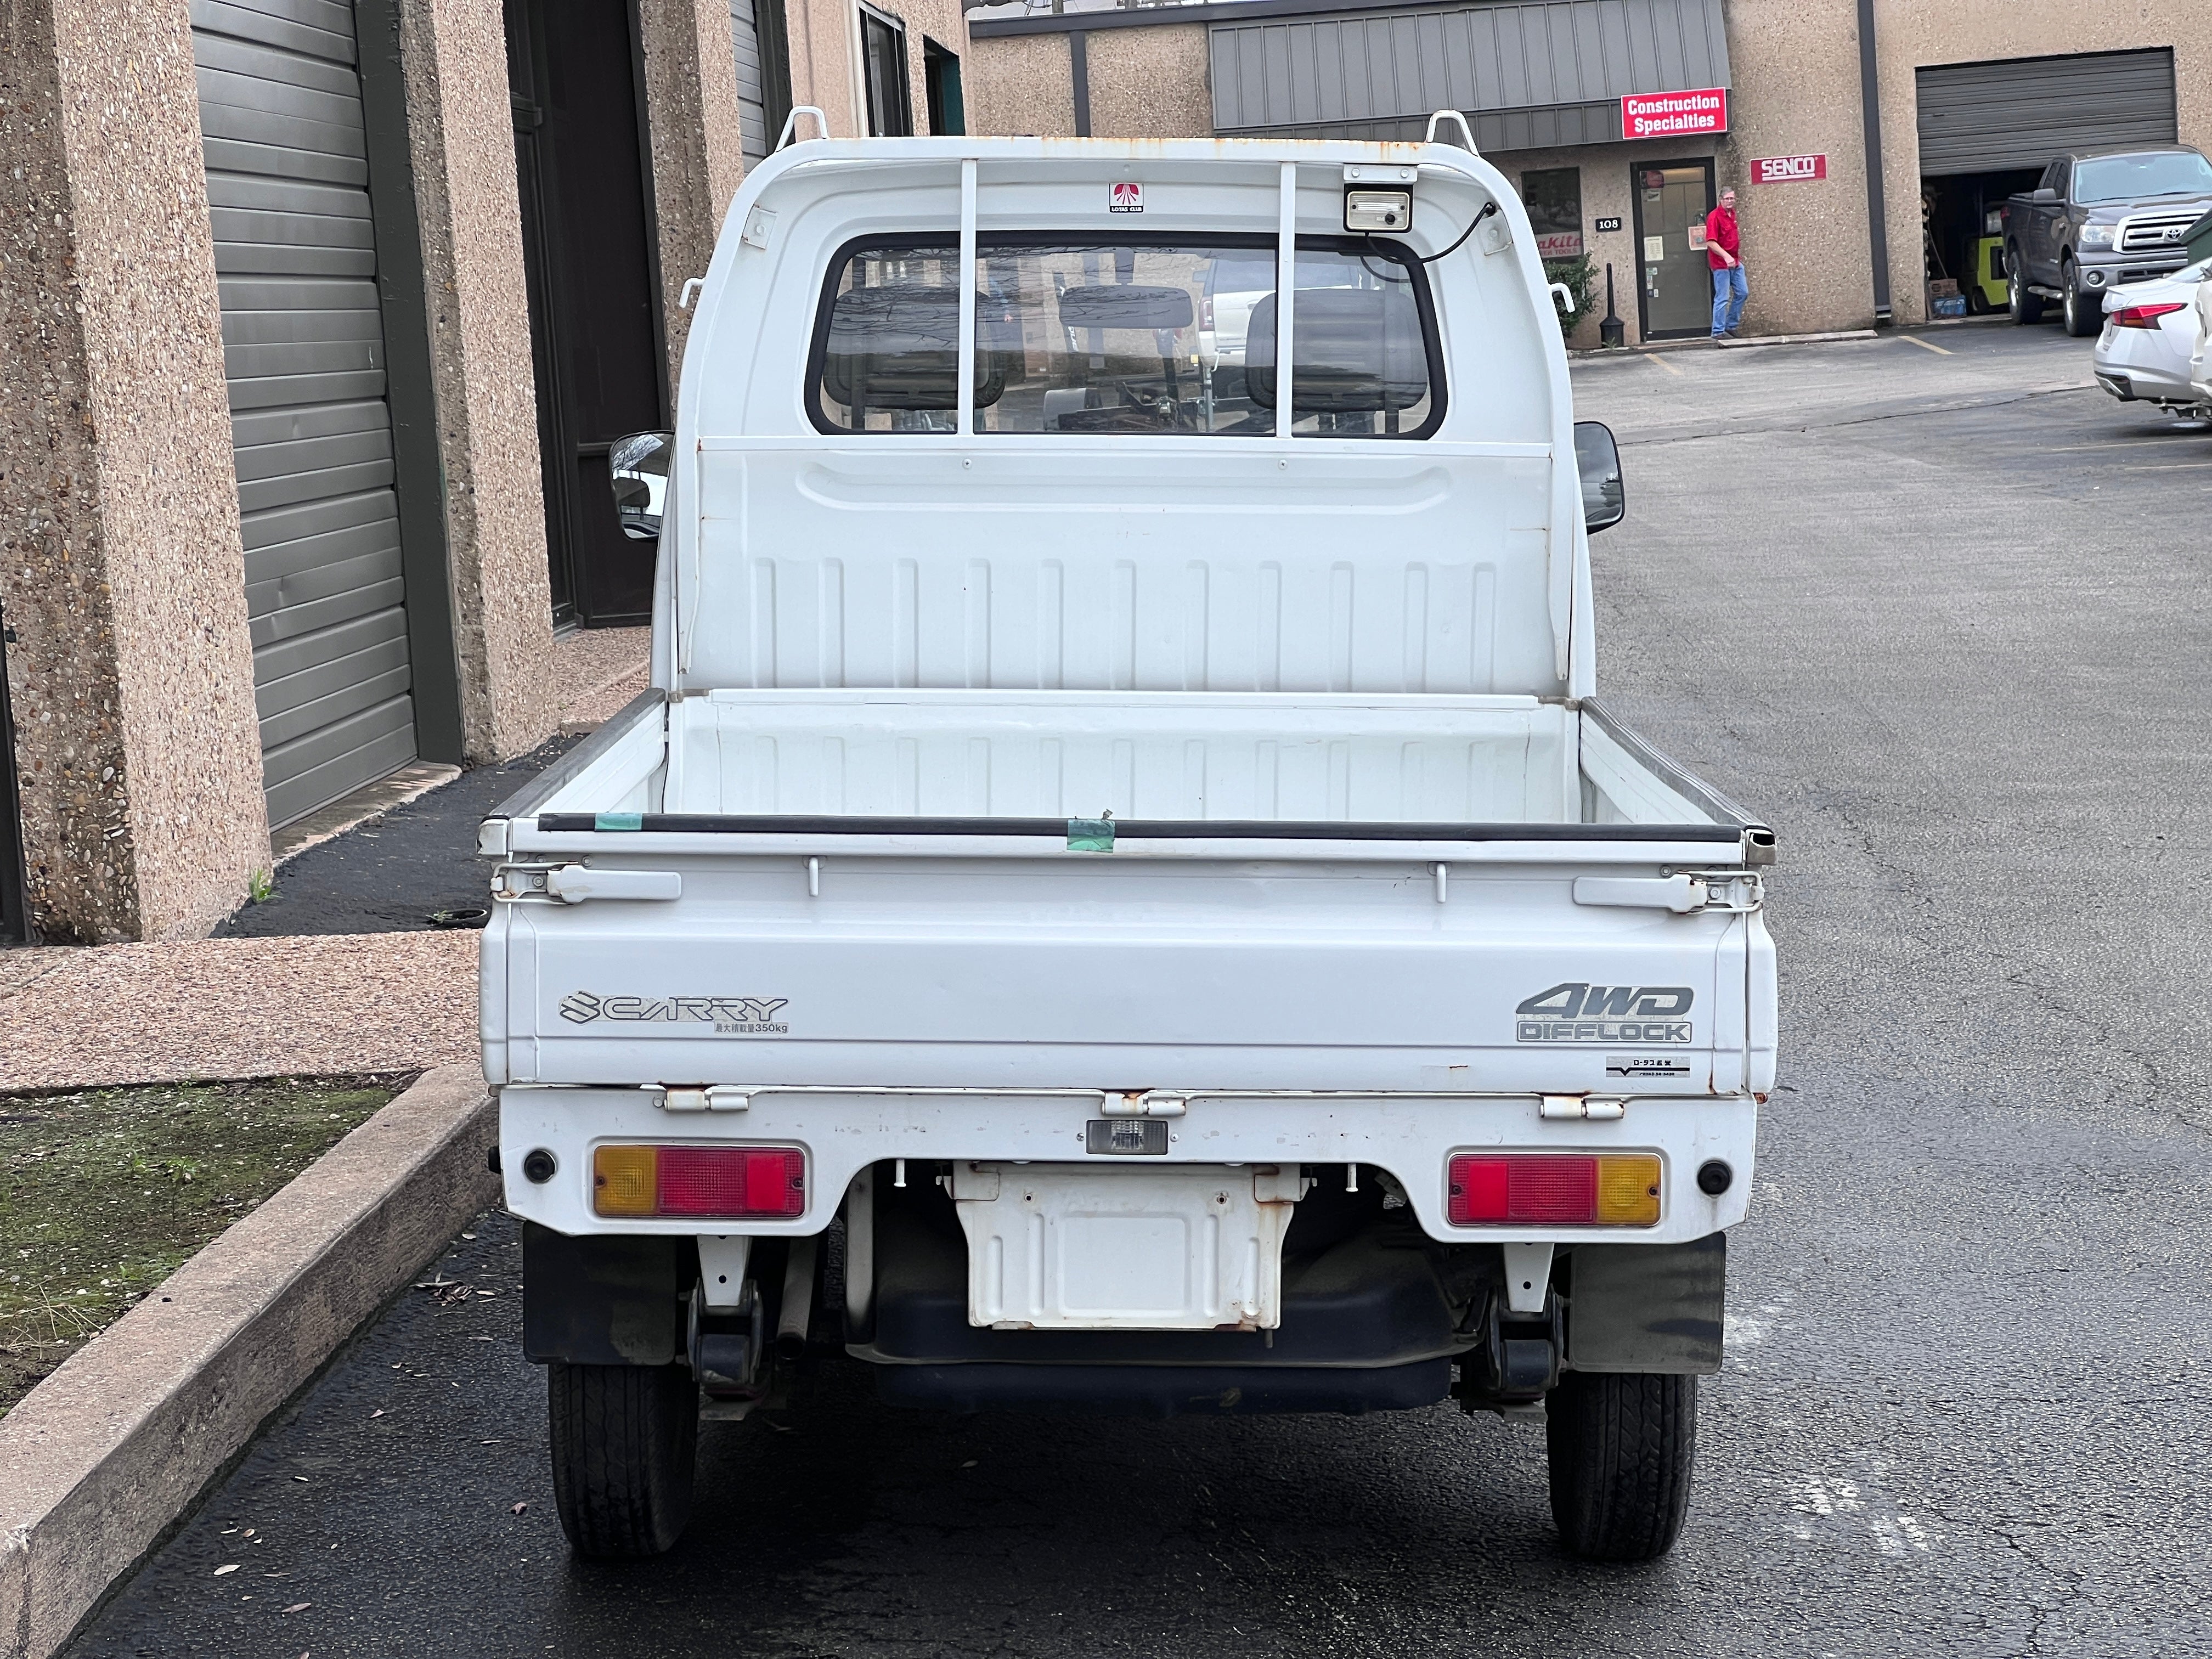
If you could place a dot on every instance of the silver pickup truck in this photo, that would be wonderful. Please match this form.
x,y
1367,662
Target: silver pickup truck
x,y
1122,895
2097,219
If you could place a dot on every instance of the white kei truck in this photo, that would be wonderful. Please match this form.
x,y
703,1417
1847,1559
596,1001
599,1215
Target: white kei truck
x,y
1121,896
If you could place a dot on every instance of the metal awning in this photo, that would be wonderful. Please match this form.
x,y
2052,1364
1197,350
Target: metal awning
x,y
1532,75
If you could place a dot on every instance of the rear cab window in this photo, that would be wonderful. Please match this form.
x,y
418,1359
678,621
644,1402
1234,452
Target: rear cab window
x,y
1085,335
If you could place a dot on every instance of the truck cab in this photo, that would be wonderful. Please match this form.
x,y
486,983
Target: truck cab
x,y
2099,219
1123,895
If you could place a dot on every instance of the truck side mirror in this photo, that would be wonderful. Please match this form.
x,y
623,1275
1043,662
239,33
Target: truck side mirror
x,y
1597,459
638,465
2044,193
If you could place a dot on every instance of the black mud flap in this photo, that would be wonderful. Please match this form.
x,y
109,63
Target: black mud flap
x,y
1647,1307
603,1300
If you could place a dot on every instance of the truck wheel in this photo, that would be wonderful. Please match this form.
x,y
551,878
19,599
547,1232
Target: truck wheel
x,y
623,1440
2025,308
2084,313
1621,1447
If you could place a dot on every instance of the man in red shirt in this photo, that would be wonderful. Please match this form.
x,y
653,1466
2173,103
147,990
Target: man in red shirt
x,y
1730,288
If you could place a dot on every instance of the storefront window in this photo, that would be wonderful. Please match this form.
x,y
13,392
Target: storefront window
x,y
882,52
1554,201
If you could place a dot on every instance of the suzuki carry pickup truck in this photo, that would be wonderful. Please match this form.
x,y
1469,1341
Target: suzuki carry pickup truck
x,y
1123,896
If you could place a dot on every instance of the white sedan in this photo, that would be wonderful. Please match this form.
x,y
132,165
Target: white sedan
x,y
2148,349
2200,360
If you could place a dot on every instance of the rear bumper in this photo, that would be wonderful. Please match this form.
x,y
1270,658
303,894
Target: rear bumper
x,y
1410,1136
2135,386
2142,365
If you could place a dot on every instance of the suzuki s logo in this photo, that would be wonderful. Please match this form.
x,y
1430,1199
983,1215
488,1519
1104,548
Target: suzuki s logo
x,y
1580,1012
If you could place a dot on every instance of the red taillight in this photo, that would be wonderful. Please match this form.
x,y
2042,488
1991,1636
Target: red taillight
x,y
1553,1190
1205,312
2145,316
719,1183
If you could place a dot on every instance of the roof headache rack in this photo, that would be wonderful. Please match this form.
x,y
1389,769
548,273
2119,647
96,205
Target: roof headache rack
x,y
790,123
1466,132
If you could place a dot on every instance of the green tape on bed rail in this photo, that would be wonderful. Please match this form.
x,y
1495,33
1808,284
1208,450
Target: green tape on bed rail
x,y
1091,835
618,821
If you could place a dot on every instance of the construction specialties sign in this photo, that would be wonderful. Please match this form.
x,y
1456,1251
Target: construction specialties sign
x,y
1673,114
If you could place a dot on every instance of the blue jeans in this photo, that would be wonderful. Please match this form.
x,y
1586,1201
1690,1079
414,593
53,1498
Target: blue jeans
x,y
1729,292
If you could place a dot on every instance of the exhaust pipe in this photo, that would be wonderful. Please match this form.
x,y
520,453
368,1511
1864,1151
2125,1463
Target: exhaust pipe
x,y
798,1298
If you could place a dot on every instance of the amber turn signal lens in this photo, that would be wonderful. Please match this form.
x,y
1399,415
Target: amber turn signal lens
x,y
622,1181
1628,1191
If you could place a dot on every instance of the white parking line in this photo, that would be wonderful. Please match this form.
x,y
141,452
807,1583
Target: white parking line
x,y
1914,339
2109,443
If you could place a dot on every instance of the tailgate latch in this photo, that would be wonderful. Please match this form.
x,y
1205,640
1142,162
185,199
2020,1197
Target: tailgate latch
x,y
1685,892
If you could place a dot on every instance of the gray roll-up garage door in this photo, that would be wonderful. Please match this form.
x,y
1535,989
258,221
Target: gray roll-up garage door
x,y
752,104
303,348
1987,118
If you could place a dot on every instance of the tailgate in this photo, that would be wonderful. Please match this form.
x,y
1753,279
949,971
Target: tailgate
x,y
1302,968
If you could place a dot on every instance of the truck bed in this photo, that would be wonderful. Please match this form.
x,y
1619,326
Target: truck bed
x,y
959,889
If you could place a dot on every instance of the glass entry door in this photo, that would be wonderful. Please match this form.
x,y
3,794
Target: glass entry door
x,y
1675,296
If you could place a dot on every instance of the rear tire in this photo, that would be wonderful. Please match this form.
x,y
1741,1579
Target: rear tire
x,y
2084,312
623,1442
2025,308
1622,1448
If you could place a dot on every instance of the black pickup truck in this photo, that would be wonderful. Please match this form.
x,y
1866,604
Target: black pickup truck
x,y
2096,219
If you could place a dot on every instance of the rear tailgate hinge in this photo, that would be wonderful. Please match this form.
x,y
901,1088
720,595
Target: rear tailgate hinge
x,y
572,884
1685,892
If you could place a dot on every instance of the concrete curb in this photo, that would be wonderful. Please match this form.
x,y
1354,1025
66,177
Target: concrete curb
x,y
100,1459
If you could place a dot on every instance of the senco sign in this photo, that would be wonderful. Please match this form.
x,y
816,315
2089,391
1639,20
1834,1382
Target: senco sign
x,y
1672,115
1788,169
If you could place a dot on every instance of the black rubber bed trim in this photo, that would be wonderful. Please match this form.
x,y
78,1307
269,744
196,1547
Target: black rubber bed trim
x,y
707,823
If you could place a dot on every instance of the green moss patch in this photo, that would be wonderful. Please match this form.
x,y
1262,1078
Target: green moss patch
x,y
105,1193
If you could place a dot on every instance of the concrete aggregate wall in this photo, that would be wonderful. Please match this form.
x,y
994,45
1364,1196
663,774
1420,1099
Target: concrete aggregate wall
x,y
694,140
1018,85
461,136
1150,83
940,20
1806,252
121,567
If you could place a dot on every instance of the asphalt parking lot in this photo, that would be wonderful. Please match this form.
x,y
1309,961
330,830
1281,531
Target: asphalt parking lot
x,y
1937,608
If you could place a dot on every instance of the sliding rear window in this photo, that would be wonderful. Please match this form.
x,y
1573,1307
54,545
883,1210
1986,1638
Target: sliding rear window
x,y
1082,335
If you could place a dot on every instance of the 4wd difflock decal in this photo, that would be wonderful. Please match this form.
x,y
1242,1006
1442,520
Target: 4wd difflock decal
x,y
729,1016
1580,1012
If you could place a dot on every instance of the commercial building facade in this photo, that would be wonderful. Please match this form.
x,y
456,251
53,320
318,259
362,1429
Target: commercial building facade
x,y
319,318
1869,140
